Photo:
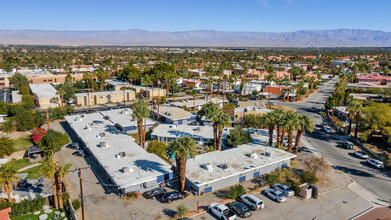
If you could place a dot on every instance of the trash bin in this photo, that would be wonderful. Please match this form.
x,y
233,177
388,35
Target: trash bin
x,y
306,192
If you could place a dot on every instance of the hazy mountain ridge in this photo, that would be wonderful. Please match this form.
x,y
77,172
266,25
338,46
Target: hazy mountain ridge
x,y
134,37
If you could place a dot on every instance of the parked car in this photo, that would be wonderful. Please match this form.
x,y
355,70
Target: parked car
x,y
154,193
286,141
253,202
240,209
376,163
284,189
325,123
347,144
361,154
328,129
313,109
74,145
300,149
221,211
172,196
276,195
194,123
79,153
271,103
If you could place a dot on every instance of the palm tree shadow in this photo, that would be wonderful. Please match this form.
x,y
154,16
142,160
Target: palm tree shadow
x,y
150,166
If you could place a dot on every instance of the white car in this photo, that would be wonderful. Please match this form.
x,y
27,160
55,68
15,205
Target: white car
x,y
286,142
361,154
221,211
276,195
328,129
253,202
376,163
284,189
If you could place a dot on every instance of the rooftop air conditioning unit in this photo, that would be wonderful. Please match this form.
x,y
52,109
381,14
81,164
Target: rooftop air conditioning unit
x,y
91,124
103,145
106,117
268,153
123,154
207,167
198,129
173,126
118,156
101,135
254,155
78,119
126,170
82,116
87,127
224,166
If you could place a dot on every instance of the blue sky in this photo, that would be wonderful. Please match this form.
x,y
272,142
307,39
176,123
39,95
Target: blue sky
x,y
180,15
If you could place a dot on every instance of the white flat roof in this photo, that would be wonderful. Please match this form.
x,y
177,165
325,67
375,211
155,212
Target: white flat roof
x,y
16,97
144,166
198,102
179,131
43,90
238,160
116,82
104,93
174,112
123,117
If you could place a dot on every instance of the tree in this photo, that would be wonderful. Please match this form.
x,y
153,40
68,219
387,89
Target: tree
x,y
38,134
6,146
223,121
48,168
140,112
376,118
157,147
304,123
270,69
194,93
8,178
238,136
102,75
18,80
354,109
24,90
53,141
181,149
61,172
212,111
61,92
268,121
292,123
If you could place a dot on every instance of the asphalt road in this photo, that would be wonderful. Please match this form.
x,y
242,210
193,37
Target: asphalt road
x,y
376,181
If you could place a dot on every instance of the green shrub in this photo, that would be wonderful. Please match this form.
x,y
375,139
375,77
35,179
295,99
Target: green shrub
x,y
157,147
309,177
182,211
387,162
53,141
76,204
24,207
6,146
294,186
271,178
236,191
323,114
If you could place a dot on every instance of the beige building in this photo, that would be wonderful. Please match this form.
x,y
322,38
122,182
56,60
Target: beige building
x,y
45,95
241,112
98,98
149,92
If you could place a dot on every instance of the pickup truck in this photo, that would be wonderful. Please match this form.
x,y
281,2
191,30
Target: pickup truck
x,y
221,211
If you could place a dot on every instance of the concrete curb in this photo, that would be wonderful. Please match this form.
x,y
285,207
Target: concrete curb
x,y
362,213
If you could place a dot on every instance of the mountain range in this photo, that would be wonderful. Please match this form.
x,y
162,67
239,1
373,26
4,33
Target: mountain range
x,y
207,38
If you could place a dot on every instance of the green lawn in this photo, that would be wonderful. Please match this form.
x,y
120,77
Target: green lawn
x,y
35,217
19,164
34,172
23,143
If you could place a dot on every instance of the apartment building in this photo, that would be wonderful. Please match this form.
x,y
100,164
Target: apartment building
x,y
98,98
45,95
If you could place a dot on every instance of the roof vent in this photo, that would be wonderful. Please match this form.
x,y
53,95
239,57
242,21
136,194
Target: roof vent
x,y
87,127
106,117
268,153
126,170
173,126
101,135
254,155
207,167
198,129
78,119
91,124
224,166
82,116
168,113
103,145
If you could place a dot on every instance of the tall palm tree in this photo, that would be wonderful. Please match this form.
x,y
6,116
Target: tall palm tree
x,y
292,123
61,172
212,112
61,92
181,149
49,170
354,108
270,69
278,116
223,121
8,178
304,123
140,112
268,121
194,93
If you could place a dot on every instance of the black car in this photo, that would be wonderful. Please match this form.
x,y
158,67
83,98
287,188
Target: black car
x,y
74,145
158,192
172,196
313,109
347,144
240,209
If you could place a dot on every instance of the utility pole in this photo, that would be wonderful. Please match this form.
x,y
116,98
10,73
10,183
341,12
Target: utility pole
x,y
81,194
47,119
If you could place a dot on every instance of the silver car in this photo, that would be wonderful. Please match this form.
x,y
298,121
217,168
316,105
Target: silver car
x,y
276,195
361,154
284,189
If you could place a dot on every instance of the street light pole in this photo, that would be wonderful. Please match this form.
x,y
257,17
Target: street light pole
x,y
81,194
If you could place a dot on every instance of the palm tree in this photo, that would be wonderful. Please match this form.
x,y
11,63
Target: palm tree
x,y
223,121
292,123
49,170
268,121
278,117
305,123
61,171
194,93
212,112
140,112
8,178
269,78
61,92
181,149
354,108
